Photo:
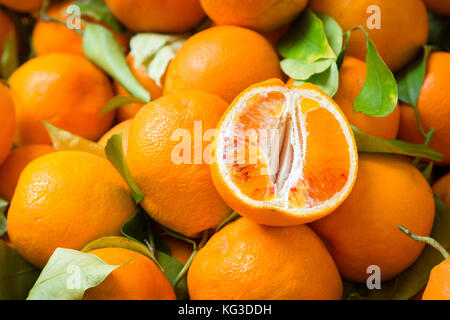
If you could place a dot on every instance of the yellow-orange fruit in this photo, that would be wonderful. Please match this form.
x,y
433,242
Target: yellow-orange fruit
x,y
363,231
66,199
438,287
138,278
248,261
8,122
223,61
438,6
442,189
64,89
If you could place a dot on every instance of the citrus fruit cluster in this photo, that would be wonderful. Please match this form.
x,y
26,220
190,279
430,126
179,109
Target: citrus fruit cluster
x,y
222,149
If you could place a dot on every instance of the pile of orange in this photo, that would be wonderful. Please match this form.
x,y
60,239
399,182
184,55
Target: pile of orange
x,y
259,187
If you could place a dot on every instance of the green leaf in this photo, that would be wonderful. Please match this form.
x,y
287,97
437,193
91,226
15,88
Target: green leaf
x,y
306,41
3,225
172,267
328,81
68,274
98,10
114,153
9,56
63,140
303,71
154,51
416,277
427,171
137,228
379,95
333,32
368,143
341,56
101,48
17,276
410,80
119,101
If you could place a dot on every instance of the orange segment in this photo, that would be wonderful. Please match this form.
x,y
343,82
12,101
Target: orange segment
x,y
284,155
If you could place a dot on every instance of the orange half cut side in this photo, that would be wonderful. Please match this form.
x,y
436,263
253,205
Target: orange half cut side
x,y
284,155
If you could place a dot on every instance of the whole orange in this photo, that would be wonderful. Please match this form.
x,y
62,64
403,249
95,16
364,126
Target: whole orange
x,y
442,189
64,89
137,278
351,80
168,157
438,286
128,111
124,128
363,231
13,166
433,107
8,122
50,37
438,6
261,15
168,16
224,61
248,261
66,199
22,5
397,31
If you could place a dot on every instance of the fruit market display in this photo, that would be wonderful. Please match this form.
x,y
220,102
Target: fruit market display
x,y
224,150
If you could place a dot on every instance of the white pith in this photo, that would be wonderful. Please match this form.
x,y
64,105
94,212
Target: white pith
x,y
278,172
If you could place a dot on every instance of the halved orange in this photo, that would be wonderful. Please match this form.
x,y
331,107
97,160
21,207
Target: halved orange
x,y
284,155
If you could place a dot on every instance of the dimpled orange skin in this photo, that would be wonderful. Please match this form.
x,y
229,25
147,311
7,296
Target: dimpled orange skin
x,y
438,6
363,231
351,80
168,16
13,166
7,122
22,5
442,189
129,111
248,261
64,89
259,15
180,196
66,199
138,278
124,128
433,106
438,287
222,60
50,37
403,29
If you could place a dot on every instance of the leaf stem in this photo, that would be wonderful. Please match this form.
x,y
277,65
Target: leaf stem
x,y
427,240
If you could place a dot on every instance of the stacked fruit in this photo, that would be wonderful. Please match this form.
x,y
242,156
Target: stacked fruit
x,y
194,149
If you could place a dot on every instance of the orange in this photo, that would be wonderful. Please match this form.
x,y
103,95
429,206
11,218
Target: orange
x,y
138,278
433,106
124,128
8,122
168,16
438,287
224,61
6,27
442,189
13,166
401,33
363,231
168,156
181,250
438,6
284,155
128,111
260,15
351,80
64,89
248,261
50,37
66,199
22,5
